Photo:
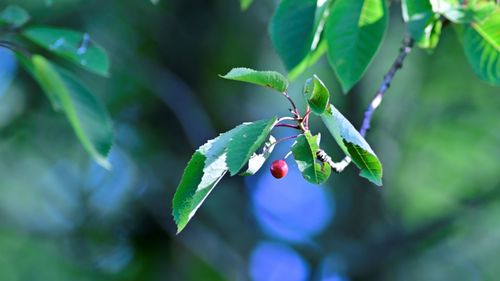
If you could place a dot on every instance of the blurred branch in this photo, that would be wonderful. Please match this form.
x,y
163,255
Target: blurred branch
x,y
386,83
178,96
15,47
294,109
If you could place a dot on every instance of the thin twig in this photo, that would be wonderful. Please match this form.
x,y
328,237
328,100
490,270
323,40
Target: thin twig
x,y
278,124
285,139
294,110
285,118
386,83
15,47
287,126
6,45
272,144
306,118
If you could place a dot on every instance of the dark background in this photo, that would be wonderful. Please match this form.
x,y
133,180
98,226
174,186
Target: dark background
x,y
62,217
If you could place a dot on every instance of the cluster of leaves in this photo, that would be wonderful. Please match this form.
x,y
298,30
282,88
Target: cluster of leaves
x,y
477,23
237,148
351,32
33,46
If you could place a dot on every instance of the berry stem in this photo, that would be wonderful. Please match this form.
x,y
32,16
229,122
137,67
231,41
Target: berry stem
x,y
294,110
278,141
285,118
282,140
288,126
306,118
285,139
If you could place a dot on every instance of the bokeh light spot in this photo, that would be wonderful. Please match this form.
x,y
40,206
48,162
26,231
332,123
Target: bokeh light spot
x,y
271,261
290,208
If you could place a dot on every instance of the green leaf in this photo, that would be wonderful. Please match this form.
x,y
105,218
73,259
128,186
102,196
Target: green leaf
x,y
292,30
318,47
316,94
304,151
270,79
367,161
308,61
418,15
247,139
14,16
194,188
245,4
86,114
205,169
27,64
423,24
257,160
479,10
354,32
73,46
353,145
431,35
482,47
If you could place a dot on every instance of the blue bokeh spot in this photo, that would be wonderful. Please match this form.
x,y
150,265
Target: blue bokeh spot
x,y
290,209
271,261
7,69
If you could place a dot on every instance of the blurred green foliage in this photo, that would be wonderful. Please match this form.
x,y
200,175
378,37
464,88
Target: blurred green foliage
x,y
65,218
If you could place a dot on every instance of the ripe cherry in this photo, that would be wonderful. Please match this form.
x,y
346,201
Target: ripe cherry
x,y
279,169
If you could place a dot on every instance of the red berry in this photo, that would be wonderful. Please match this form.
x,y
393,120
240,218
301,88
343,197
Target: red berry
x,y
279,169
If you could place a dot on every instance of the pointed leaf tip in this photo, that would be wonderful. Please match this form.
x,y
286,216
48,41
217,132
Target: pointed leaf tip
x,y
270,79
85,113
353,144
370,166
